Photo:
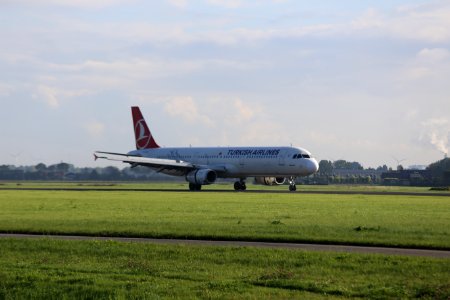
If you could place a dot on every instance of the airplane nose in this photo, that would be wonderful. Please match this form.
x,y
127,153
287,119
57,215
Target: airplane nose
x,y
314,166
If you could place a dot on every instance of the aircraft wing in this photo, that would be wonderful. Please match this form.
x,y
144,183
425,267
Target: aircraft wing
x,y
161,165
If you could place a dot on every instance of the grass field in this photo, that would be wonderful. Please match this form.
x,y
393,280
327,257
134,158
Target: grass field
x,y
408,221
55,269
52,269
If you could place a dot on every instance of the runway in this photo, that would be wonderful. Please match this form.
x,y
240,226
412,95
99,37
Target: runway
x,y
299,191
292,246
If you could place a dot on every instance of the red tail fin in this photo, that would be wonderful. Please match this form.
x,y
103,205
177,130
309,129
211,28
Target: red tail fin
x,y
144,138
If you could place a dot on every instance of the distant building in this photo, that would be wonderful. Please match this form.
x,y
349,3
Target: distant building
x,y
352,172
407,177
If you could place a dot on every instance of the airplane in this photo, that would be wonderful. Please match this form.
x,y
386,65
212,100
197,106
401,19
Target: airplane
x,y
204,165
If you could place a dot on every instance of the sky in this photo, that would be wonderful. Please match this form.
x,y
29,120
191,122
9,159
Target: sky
x,y
365,81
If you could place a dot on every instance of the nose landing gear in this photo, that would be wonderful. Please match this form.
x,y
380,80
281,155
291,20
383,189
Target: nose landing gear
x,y
292,186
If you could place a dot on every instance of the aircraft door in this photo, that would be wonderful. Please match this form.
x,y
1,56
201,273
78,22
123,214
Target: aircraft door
x,y
282,158
196,158
242,160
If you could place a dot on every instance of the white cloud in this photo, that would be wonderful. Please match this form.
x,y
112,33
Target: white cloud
x,y
434,55
368,20
178,3
89,4
52,96
429,62
244,112
226,3
5,89
264,132
187,109
48,95
430,23
94,128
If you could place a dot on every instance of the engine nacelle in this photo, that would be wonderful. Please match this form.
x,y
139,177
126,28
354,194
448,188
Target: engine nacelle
x,y
201,176
270,180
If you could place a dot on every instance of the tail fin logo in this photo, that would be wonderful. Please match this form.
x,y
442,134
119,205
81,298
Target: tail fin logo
x,y
144,139
143,136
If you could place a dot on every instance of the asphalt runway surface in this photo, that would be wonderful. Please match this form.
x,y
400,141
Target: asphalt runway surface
x,y
292,246
75,189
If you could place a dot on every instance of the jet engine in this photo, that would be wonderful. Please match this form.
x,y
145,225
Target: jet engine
x,y
201,176
270,180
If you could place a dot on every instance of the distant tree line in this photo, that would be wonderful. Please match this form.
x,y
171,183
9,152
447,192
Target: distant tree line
x,y
344,172
440,171
337,172
64,171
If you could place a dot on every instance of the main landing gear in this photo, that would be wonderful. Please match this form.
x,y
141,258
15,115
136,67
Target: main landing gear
x,y
240,185
292,186
195,187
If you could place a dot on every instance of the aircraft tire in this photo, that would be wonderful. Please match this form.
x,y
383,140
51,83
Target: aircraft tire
x,y
195,187
240,186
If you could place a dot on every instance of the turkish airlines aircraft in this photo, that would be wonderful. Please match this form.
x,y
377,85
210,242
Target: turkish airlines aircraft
x,y
202,166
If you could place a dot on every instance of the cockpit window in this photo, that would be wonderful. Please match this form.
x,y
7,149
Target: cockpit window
x,y
306,156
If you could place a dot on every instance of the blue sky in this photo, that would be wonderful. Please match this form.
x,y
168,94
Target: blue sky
x,y
355,80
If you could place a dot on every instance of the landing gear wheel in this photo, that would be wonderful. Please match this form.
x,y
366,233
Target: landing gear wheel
x,y
240,186
292,187
195,187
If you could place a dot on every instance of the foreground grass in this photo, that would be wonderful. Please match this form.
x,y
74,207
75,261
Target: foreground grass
x,y
408,221
52,269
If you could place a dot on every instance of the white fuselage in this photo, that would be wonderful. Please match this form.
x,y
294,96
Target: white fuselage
x,y
239,162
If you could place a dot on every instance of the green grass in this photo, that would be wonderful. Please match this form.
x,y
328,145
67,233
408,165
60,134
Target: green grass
x,y
54,269
408,221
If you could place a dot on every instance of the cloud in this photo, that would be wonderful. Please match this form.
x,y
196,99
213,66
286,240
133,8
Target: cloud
x,y
178,3
225,3
434,55
52,96
244,112
48,95
429,62
5,89
86,4
94,128
425,22
187,109
370,19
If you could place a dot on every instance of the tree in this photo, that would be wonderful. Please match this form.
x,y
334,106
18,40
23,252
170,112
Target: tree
x,y
440,170
325,167
63,167
343,164
40,167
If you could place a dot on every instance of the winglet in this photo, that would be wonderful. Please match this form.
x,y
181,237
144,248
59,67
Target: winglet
x,y
142,134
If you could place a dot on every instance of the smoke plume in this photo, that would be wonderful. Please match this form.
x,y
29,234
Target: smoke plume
x,y
437,133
